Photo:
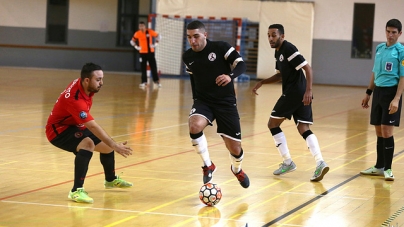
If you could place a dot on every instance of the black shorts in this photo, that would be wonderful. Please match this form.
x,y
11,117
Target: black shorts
x,y
69,139
379,114
291,105
227,118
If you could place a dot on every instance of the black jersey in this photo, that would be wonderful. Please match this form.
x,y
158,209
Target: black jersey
x,y
290,63
215,59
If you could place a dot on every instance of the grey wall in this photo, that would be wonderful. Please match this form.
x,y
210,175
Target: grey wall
x,y
332,64
29,49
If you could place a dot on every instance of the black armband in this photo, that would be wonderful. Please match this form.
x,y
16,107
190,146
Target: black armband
x,y
369,92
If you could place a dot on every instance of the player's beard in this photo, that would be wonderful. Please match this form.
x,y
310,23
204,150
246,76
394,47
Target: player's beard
x,y
95,89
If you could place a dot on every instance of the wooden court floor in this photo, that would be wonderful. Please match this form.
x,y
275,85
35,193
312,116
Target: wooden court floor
x,y
36,177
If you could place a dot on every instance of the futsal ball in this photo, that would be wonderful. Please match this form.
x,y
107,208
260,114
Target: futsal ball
x,y
210,194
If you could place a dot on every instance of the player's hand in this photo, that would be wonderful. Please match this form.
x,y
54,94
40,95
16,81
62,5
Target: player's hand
x,y
137,47
365,102
307,97
393,106
154,45
122,149
223,80
256,87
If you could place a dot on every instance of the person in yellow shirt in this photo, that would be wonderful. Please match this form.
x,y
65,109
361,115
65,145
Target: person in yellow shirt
x,y
142,41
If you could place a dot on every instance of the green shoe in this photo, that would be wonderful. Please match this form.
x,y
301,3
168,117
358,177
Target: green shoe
x,y
80,196
373,171
117,183
320,171
388,175
284,168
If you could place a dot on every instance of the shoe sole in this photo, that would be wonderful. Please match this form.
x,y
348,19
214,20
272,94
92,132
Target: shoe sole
x,y
291,170
389,178
82,201
319,178
372,174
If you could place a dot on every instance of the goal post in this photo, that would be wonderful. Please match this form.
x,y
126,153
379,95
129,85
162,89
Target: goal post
x,y
173,43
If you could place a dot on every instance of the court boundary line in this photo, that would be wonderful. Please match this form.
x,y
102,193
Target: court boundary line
x,y
294,210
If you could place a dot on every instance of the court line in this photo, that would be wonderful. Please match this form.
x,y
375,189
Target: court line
x,y
105,209
274,221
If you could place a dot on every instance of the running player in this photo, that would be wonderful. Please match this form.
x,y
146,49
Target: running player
x,y
295,101
213,65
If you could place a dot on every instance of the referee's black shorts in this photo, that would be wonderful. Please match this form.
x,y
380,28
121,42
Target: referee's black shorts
x,y
379,114
291,105
70,138
226,116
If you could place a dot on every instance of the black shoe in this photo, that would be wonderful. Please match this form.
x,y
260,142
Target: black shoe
x,y
242,178
208,173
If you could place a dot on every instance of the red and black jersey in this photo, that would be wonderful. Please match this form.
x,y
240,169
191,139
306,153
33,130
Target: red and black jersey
x,y
72,108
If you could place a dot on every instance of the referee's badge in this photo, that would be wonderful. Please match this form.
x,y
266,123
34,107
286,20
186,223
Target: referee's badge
x,y
389,66
212,56
281,58
83,115
402,62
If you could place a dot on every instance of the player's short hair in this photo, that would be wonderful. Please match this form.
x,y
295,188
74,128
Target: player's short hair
x,y
142,22
196,24
279,27
395,24
88,69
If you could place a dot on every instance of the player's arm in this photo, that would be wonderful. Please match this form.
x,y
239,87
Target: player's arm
x,y
135,42
394,103
273,79
308,95
369,90
99,132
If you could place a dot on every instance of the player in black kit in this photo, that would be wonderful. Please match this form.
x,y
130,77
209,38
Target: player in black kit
x,y
295,101
213,65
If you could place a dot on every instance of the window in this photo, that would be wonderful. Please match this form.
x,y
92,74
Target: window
x,y
128,19
362,34
56,21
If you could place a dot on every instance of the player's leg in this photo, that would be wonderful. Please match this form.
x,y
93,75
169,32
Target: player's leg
x,y
107,159
389,121
200,117
303,117
143,68
376,120
228,127
153,69
77,142
283,109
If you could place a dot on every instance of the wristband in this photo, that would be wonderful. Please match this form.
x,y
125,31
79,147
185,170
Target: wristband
x,y
369,92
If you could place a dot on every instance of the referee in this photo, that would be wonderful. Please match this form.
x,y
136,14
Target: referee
x,y
387,85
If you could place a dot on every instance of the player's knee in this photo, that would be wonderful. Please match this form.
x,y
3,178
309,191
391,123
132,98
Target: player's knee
x,y
86,144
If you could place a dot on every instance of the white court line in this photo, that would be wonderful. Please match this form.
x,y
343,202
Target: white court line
x,y
123,211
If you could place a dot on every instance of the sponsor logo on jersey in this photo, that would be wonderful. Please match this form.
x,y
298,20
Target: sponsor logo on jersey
x,y
281,58
83,115
78,134
212,56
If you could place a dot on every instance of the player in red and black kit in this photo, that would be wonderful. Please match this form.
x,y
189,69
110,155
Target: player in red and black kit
x,y
212,67
295,101
71,127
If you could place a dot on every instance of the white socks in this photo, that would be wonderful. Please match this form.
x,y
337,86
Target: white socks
x,y
282,146
201,147
236,162
314,147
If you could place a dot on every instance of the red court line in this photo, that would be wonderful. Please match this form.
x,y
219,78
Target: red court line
x,y
151,160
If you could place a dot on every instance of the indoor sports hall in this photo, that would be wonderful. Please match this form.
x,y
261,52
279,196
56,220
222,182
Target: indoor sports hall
x,y
164,168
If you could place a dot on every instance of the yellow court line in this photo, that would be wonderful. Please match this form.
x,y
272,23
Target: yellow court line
x,y
6,163
227,204
305,210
